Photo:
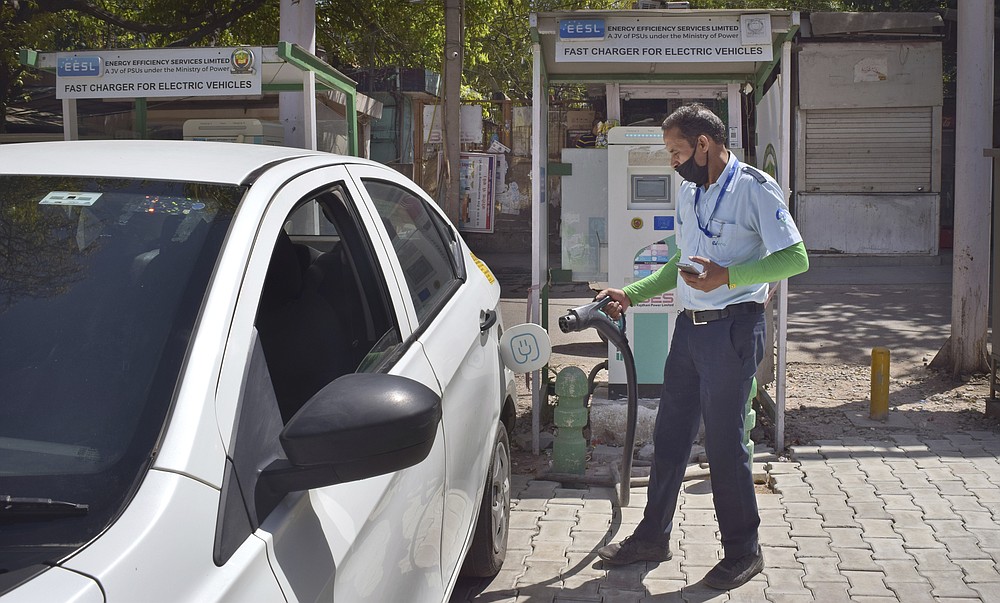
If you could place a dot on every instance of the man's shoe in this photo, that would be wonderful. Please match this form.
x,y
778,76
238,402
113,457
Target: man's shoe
x,y
733,573
631,550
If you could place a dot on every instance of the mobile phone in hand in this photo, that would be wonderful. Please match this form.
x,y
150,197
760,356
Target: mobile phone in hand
x,y
689,268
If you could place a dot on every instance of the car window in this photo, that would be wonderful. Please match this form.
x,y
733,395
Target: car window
x,y
425,245
101,281
324,311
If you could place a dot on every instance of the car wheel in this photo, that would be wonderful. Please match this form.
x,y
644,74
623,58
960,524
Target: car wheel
x,y
489,541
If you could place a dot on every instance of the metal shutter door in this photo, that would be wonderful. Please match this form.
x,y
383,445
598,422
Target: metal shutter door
x,y
883,150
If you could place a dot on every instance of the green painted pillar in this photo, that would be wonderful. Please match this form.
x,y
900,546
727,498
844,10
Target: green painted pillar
x,y
750,418
569,451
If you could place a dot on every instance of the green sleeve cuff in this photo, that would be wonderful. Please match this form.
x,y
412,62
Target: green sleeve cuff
x,y
771,268
661,281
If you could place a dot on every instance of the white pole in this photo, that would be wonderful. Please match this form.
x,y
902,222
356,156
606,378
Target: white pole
x,y
297,110
309,111
784,170
71,123
539,226
973,134
735,116
614,101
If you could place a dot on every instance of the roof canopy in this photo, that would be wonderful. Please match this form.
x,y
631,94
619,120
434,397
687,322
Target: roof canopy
x,y
667,34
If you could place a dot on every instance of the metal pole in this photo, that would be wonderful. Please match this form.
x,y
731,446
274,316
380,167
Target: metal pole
x,y
973,134
297,24
309,111
539,257
450,126
785,81
141,118
71,125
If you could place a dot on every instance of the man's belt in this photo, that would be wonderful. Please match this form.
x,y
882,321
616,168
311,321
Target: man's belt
x,y
700,317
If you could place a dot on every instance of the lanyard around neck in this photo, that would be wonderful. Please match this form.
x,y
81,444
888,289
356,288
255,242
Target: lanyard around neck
x,y
718,200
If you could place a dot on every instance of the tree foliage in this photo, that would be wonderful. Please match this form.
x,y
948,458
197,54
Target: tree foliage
x,y
353,34
64,25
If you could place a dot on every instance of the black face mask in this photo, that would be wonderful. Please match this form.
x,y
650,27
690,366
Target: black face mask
x,y
692,172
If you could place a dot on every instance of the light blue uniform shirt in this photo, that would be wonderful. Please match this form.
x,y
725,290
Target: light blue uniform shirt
x,y
750,222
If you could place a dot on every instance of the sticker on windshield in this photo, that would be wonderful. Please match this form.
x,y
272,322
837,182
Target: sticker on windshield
x,y
73,198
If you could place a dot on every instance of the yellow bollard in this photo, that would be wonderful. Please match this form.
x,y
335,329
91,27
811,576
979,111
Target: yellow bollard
x,y
879,410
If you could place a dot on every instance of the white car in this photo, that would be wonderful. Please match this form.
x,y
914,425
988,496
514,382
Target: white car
x,y
243,373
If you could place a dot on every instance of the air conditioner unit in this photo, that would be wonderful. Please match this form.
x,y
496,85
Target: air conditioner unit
x,y
251,131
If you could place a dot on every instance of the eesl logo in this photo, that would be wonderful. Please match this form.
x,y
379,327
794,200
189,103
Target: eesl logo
x,y
78,66
581,28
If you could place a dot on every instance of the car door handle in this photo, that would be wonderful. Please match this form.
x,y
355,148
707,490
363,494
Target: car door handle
x,y
487,319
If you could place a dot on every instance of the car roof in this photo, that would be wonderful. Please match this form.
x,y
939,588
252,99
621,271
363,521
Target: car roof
x,y
189,161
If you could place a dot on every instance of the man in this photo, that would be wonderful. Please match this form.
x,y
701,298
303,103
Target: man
x,y
734,231
588,140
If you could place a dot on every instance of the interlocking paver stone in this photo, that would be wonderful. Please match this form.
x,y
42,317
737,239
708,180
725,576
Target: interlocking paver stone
x,y
700,554
751,592
554,530
899,502
847,538
782,557
871,584
627,577
905,519
579,588
820,570
592,522
981,571
917,592
586,541
949,584
963,547
856,520
899,570
806,527
988,538
813,546
560,511
665,590
914,538
859,560
785,581
888,487
887,548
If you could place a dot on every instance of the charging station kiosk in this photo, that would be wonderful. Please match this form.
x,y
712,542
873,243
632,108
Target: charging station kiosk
x,y
730,56
642,197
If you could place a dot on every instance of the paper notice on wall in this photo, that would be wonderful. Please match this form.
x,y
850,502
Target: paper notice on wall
x,y
470,120
871,69
477,178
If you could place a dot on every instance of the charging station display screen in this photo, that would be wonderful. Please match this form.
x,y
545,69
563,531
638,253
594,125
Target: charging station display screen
x,y
650,191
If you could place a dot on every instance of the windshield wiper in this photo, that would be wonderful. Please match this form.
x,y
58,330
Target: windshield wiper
x,y
20,507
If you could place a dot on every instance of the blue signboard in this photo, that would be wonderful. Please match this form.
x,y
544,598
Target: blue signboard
x,y
78,66
663,222
576,29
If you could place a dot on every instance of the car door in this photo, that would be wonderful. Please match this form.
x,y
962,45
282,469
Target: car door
x,y
315,303
454,312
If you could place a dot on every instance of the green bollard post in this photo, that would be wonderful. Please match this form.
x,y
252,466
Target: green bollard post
x,y
750,419
569,450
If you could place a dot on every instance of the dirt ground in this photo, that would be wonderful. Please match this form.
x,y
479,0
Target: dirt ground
x,y
834,322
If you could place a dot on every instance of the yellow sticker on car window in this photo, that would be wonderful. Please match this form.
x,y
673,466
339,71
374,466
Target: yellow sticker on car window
x,y
484,268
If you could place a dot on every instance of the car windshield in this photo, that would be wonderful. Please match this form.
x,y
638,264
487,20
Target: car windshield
x,y
100,285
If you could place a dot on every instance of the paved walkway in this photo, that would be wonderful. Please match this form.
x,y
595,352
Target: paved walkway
x,y
895,518
899,520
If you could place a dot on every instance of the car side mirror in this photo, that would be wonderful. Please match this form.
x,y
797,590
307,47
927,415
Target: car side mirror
x,y
359,426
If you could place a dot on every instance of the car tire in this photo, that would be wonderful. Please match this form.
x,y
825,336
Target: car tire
x,y
489,541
